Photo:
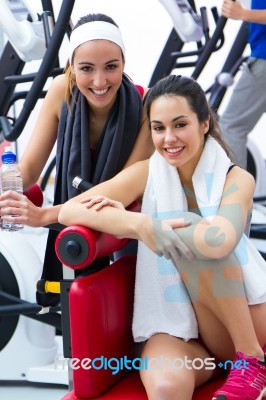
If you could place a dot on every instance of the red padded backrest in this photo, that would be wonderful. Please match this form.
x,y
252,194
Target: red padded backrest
x,y
101,309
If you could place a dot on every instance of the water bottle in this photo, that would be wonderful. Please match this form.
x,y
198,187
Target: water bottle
x,y
10,179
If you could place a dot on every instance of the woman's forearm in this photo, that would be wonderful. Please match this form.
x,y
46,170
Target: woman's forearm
x,y
120,223
216,239
206,240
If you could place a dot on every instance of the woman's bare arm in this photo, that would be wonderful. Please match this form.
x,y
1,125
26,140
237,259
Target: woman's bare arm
x,y
110,217
34,160
125,187
44,134
218,238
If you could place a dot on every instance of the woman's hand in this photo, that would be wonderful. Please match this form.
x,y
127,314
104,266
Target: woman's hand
x,y
16,207
160,237
98,202
167,241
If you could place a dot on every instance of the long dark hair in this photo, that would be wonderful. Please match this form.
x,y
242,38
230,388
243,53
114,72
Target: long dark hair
x,y
177,85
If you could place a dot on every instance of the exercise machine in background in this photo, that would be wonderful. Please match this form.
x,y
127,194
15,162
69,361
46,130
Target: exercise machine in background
x,y
29,344
27,333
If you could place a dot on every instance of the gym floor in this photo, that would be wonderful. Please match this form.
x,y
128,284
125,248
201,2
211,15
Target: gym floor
x,y
25,390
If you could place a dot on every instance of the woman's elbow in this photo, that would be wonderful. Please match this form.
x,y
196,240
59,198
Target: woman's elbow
x,y
216,248
227,249
65,214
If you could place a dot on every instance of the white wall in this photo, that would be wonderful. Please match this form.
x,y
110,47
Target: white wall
x,y
145,26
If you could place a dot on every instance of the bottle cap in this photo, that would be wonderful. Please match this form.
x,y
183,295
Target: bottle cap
x,y
8,157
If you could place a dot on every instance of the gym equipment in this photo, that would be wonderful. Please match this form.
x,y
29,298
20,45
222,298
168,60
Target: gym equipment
x,y
197,32
256,166
102,332
41,369
24,343
28,37
186,22
28,344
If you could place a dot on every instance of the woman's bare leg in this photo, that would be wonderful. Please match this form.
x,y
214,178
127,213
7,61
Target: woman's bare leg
x,y
171,375
226,324
216,288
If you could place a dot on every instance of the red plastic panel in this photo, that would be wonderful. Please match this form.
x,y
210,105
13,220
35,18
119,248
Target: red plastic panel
x,y
101,309
131,388
35,195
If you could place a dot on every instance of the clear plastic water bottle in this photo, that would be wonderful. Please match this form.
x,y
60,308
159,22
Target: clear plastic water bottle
x,y
10,179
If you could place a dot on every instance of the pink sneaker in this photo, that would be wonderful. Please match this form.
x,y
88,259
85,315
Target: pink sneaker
x,y
246,380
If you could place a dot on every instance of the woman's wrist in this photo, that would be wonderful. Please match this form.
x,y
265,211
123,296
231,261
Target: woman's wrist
x,y
49,215
145,230
140,225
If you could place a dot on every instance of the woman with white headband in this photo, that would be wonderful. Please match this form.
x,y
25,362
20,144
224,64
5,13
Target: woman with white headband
x,y
94,114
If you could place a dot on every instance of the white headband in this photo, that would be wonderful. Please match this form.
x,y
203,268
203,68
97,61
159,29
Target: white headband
x,y
95,30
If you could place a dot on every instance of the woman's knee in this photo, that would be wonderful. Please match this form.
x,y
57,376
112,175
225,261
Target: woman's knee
x,y
168,384
168,376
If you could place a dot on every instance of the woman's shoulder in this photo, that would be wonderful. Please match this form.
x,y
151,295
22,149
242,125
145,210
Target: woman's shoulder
x,y
138,166
56,94
59,83
242,176
241,172
136,172
240,187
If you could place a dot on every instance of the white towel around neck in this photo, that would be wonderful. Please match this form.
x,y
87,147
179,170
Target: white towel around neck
x,y
162,304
